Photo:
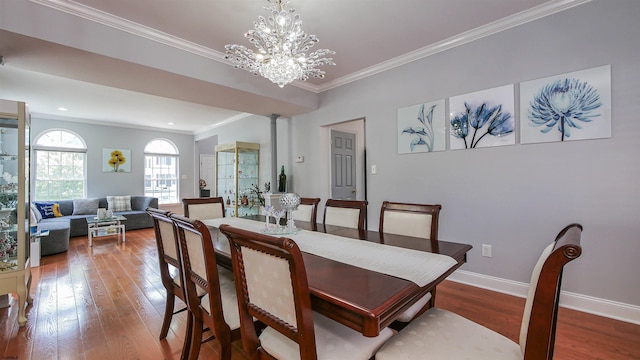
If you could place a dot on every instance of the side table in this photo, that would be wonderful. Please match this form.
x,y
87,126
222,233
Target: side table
x,y
34,250
105,227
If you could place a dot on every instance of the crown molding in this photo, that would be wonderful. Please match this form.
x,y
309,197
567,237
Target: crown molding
x,y
91,14
509,22
45,116
208,131
101,17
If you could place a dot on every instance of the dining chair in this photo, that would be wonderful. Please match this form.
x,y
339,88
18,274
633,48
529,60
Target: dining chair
x,y
170,269
415,220
218,308
280,299
203,208
347,213
308,211
440,334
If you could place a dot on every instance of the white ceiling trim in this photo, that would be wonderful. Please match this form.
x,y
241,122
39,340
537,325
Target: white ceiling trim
x,y
107,123
103,18
225,122
100,17
523,17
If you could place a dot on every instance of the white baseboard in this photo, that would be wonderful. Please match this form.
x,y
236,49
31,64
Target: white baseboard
x,y
589,304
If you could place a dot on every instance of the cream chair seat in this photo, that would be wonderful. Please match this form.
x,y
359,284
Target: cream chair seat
x,y
440,334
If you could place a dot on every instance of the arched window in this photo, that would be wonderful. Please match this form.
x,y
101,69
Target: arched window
x,y
161,171
60,165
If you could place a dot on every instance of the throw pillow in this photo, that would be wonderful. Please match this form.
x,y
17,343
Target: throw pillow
x,y
119,203
56,210
45,209
85,206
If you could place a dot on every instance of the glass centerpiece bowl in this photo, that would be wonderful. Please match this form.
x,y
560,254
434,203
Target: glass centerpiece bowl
x,y
289,203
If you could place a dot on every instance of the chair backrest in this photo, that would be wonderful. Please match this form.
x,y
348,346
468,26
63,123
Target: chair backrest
x,y
279,297
417,220
168,248
203,208
347,213
307,211
200,269
538,330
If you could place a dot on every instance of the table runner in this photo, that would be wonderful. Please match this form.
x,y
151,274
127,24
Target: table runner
x,y
419,267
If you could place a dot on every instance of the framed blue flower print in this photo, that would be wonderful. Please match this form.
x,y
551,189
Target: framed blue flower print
x,y
421,128
482,118
567,107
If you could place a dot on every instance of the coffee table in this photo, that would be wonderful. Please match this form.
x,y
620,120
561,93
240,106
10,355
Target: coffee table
x,y
105,227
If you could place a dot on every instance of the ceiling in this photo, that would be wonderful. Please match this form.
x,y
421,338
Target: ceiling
x,y
148,63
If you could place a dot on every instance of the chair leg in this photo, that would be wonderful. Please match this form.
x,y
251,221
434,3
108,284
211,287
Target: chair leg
x,y
188,337
196,338
225,346
432,301
168,314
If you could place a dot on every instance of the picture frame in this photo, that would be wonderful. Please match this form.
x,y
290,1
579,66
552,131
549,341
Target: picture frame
x,y
421,128
482,119
116,160
566,107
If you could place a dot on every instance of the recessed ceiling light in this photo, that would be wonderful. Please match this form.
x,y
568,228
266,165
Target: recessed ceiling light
x,y
63,109
170,123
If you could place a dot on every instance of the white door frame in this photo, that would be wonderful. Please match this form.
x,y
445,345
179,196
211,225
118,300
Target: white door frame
x,y
356,126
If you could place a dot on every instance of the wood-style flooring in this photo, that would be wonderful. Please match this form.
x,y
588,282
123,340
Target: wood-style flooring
x,y
107,302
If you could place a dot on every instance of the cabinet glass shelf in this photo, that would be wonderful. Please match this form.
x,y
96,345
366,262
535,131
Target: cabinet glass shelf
x,y
15,269
237,172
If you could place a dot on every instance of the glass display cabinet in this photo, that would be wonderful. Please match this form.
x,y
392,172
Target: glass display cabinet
x,y
15,268
238,177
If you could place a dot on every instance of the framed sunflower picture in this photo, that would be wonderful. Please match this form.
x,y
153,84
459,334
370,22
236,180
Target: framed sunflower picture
x,y
567,107
116,160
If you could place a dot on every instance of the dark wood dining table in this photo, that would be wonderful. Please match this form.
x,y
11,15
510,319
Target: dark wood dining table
x,y
364,300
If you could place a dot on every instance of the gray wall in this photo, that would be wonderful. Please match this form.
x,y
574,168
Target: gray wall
x,y
518,197
257,129
97,137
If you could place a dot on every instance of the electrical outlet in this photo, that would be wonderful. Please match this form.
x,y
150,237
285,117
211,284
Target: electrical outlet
x,y
486,250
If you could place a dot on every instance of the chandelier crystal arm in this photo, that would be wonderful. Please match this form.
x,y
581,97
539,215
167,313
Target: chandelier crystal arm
x,y
281,45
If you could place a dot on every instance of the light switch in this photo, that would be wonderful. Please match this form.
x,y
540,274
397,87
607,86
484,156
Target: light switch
x,y
183,177
299,159
374,169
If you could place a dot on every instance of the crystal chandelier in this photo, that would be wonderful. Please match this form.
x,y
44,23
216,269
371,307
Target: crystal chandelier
x,y
281,44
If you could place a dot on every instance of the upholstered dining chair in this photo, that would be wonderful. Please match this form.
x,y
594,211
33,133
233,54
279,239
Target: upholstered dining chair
x,y
308,211
347,213
218,308
440,334
170,264
280,299
416,220
203,208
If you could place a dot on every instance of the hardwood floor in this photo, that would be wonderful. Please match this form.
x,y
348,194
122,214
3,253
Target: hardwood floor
x,y
107,302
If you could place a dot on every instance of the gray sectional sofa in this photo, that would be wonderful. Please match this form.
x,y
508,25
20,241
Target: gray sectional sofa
x,y
63,227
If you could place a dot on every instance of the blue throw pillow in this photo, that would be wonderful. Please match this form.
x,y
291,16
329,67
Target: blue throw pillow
x,y
45,209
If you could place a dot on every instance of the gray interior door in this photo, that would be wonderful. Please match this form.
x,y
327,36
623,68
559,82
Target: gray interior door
x,y
343,165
